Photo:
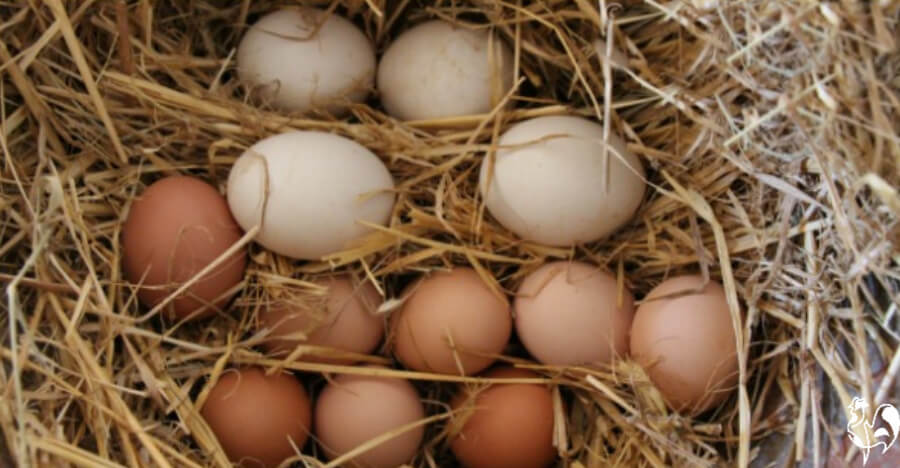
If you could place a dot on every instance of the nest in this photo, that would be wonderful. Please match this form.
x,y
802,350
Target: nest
x,y
770,133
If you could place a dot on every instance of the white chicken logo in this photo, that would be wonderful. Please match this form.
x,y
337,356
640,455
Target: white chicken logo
x,y
865,434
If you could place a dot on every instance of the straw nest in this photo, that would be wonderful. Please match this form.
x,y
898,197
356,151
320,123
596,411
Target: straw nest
x,y
770,129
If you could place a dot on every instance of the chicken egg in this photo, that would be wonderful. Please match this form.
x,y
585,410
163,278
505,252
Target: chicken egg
x,y
257,417
551,184
354,409
683,336
344,318
451,322
308,192
572,313
437,69
302,58
504,425
175,229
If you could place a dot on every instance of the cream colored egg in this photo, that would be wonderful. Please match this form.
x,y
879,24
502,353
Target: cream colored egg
x,y
308,192
550,184
439,70
300,59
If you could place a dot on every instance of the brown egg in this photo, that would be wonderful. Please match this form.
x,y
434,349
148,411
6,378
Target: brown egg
x,y
174,229
451,307
505,425
568,313
354,409
344,318
256,417
687,343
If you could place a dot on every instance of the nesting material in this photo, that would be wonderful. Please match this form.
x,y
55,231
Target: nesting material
x,y
768,131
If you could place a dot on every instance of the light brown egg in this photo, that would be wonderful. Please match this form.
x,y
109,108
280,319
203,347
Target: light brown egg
x,y
344,318
505,425
256,417
446,308
174,229
686,343
354,409
569,313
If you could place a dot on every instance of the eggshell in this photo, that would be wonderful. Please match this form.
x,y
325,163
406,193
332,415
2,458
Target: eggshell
x,y
505,425
549,183
569,313
451,307
687,343
439,70
354,409
300,59
309,190
256,417
175,229
344,318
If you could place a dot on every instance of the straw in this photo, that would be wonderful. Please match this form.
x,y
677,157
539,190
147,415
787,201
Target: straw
x,y
769,131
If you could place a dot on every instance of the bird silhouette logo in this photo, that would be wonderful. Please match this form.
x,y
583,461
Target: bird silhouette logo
x,y
882,430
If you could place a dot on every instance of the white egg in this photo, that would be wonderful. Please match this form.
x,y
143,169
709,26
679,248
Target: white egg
x,y
550,185
307,191
439,70
301,59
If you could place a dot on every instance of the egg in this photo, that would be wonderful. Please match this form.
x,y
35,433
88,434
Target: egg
x,y
257,417
506,425
686,343
300,59
173,230
437,70
308,191
451,323
354,409
343,318
572,313
549,182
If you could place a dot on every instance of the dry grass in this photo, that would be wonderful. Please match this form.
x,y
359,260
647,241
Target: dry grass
x,y
770,129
